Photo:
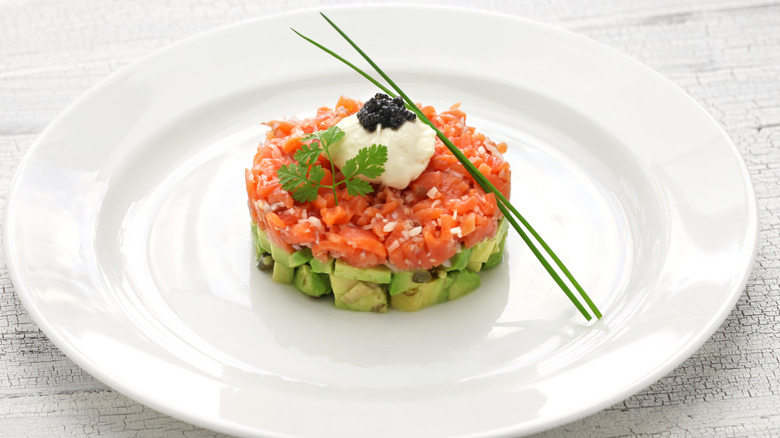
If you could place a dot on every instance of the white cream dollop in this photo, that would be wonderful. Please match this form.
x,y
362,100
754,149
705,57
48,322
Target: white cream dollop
x,y
409,149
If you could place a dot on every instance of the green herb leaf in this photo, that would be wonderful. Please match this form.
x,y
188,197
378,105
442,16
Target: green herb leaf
x,y
316,173
358,187
318,142
301,184
368,162
304,178
308,154
326,137
331,135
291,176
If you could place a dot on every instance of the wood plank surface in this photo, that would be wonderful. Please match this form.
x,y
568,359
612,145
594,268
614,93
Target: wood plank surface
x,y
726,54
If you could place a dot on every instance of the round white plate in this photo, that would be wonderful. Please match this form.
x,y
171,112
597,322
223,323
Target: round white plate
x,y
127,233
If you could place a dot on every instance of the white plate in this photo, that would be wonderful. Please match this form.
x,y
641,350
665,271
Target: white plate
x,y
127,233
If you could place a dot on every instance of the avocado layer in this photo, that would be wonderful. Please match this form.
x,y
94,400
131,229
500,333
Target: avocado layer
x,y
375,289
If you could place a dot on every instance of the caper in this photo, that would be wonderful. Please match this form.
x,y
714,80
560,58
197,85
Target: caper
x,y
265,262
421,277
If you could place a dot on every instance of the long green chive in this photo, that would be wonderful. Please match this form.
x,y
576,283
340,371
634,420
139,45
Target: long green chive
x,y
503,204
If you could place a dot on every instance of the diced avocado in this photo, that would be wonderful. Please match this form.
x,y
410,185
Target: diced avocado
x,y
463,282
424,295
263,241
375,274
459,261
479,255
280,256
482,251
320,267
400,282
310,282
405,280
448,281
259,251
503,227
292,260
497,255
255,241
498,250
283,273
300,257
341,285
493,260
361,296
358,291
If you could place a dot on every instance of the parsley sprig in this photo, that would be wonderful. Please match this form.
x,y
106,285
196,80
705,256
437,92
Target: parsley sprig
x,y
507,209
303,179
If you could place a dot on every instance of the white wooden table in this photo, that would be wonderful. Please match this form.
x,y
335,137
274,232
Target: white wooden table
x,y
725,53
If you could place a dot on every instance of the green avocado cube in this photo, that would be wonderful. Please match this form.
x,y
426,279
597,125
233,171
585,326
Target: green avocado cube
x,y
300,257
292,260
341,285
259,251
310,282
459,261
464,282
425,295
262,240
494,260
283,273
497,255
320,267
375,274
401,282
406,280
360,296
480,253
448,280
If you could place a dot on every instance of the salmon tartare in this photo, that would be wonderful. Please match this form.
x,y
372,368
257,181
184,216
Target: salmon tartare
x,y
404,248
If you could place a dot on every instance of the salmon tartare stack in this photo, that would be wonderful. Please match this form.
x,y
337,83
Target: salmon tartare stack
x,y
363,203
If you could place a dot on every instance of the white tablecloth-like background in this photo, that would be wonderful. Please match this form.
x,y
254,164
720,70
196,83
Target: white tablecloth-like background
x,y
725,53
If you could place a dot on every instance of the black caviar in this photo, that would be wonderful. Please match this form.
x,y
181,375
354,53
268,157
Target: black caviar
x,y
381,109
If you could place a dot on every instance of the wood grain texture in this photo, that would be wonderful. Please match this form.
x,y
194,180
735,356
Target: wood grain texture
x,y
726,54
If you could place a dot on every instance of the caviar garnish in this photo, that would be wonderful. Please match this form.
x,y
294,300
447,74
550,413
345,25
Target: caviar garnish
x,y
386,111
